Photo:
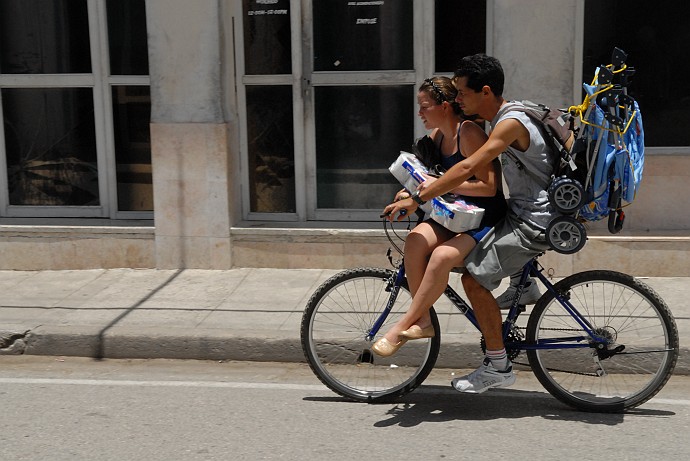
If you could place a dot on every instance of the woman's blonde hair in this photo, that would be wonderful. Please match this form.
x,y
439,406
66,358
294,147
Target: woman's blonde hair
x,y
441,89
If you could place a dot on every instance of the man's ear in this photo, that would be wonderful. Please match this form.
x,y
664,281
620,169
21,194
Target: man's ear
x,y
486,89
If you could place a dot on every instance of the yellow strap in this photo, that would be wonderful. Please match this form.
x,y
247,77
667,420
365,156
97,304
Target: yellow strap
x,y
580,110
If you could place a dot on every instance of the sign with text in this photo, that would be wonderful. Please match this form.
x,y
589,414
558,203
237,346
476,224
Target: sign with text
x,y
362,35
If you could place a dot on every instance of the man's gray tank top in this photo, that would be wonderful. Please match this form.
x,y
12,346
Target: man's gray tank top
x,y
528,199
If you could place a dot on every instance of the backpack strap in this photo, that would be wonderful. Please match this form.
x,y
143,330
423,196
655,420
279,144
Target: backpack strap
x,y
521,166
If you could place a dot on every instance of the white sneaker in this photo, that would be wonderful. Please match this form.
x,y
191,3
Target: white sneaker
x,y
484,378
530,295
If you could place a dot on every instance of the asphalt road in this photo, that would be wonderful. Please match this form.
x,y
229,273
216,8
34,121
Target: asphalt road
x,y
81,409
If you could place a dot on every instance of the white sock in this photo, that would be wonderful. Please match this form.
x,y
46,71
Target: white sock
x,y
499,359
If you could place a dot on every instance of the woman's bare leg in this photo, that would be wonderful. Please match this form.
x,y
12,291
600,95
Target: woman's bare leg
x,y
419,245
444,258
434,280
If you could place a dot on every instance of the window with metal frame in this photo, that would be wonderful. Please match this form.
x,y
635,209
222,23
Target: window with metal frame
x,y
75,109
329,94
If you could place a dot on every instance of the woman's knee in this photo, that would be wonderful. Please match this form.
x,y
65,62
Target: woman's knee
x,y
417,243
445,258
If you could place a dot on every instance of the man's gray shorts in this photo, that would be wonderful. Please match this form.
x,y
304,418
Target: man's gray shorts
x,y
504,251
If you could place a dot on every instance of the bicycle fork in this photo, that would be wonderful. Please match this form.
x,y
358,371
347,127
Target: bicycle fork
x,y
394,284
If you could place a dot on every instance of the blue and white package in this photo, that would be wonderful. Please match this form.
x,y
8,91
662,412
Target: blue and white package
x,y
409,171
457,216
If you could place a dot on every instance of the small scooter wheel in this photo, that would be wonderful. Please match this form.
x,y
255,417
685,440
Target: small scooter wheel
x,y
567,195
566,235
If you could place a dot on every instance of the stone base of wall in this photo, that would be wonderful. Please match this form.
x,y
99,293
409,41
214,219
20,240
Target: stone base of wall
x,y
660,255
192,195
76,247
97,247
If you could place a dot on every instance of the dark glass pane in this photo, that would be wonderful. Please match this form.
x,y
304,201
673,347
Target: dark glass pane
x,y
267,47
360,131
351,36
131,118
656,42
127,37
271,149
460,31
44,37
50,141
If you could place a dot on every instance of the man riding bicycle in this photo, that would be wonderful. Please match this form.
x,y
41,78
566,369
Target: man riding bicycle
x,y
516,239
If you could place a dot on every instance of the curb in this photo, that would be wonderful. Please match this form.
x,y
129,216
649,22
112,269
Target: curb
x,y
148,343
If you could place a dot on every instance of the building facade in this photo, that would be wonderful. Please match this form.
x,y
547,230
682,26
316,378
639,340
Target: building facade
x,y
257,133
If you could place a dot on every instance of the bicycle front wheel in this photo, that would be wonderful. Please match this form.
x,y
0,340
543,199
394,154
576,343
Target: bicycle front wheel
x,y
334,331
631,356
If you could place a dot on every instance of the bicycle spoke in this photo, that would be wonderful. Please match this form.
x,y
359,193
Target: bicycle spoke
x,y
334,332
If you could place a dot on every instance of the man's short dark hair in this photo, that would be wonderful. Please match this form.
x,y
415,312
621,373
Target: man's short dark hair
x,y
482,70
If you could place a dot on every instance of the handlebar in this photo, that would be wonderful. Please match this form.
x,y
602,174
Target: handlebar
x,y
403,212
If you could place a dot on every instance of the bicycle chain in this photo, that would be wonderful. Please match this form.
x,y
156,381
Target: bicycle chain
x,y
562,371
558,369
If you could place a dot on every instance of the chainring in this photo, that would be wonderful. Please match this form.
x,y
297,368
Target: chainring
x,y
515,336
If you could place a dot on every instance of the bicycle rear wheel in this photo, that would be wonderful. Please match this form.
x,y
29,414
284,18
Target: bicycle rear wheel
x,y
633,319
335,325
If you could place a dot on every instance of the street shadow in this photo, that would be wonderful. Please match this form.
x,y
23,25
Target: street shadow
x,y
438,404
100,341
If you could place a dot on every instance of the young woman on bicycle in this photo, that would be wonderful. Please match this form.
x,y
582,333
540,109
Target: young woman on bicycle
x,y
431,250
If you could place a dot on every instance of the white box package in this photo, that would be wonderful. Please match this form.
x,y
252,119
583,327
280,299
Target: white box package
x,y
409,171
458,216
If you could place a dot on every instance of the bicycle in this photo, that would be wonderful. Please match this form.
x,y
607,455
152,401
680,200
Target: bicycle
x,y
599,340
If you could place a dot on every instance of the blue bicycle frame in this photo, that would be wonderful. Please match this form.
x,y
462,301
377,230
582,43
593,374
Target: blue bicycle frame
x,y
589,339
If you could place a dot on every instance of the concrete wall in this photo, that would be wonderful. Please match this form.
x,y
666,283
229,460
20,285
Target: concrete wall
x,y
28,247
190,134
535,42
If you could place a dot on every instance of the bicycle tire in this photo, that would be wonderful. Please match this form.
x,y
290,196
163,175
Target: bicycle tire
x,y
621,308
333,334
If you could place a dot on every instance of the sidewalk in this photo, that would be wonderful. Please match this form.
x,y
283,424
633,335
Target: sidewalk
x,y
238,314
